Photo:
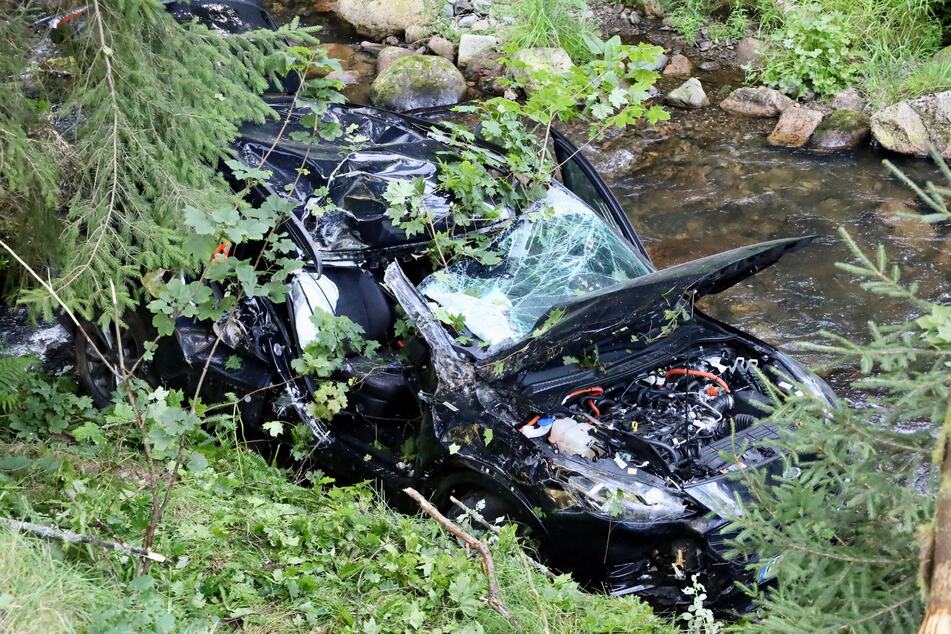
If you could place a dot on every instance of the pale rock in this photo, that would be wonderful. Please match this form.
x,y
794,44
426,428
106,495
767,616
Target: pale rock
x,y
442,47
472,46
688,95
756,102
380,18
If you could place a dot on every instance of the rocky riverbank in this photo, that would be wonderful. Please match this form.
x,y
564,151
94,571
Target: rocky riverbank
x,y
409,54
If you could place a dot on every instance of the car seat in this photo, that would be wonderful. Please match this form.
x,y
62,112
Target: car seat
x,y
381,391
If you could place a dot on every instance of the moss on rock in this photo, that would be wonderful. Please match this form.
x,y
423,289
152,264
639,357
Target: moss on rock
x,y
418,81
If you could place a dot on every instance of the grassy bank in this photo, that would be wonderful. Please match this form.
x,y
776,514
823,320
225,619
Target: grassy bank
x,y
249,551
885,47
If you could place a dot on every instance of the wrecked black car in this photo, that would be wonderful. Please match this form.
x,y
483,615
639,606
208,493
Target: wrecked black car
x,y
583,395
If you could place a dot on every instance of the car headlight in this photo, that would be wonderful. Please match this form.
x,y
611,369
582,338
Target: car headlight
x,y
633,500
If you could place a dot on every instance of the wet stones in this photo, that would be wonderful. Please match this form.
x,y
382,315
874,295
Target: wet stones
x,y
689,94
756,102
908,127
842,130
679,66
795,126
418,81
378,19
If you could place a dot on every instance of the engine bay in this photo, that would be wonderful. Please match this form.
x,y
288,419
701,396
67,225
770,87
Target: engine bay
x,y
673,421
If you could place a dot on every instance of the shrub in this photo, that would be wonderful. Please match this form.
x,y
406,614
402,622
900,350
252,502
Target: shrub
x,y
811,52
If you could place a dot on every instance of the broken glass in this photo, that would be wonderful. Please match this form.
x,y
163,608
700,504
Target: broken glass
x,y
557,252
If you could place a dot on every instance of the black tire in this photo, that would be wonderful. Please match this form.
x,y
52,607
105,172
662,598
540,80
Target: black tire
x,y
94,375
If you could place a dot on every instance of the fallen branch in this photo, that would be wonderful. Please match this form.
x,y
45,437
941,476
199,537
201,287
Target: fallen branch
x,y
477,545
479,519
76,538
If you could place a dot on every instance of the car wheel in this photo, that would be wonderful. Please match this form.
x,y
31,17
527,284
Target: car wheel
x,y
94,374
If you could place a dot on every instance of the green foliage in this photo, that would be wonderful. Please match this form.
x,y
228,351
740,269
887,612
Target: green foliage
x,y
29,164
811,52
151,106
32,407
250,551
846,522
550,23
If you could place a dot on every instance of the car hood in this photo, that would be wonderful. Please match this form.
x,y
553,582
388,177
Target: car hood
x,y
638,306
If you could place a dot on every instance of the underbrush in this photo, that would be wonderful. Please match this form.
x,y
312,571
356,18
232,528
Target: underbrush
x,y
249,550
821,46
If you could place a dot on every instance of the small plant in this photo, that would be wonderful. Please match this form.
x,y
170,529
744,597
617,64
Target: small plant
x,y
812,52
699,619
689,17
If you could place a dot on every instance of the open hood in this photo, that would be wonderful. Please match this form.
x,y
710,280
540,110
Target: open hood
x,y
638,306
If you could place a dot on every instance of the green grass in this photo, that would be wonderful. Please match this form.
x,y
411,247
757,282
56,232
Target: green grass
x,y
41,593
250,551
549,23
889,43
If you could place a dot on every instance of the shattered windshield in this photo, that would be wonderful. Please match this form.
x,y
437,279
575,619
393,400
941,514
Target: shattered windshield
x,y
559,251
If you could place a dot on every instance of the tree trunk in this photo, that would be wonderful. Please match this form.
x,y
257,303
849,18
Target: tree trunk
x,y
938,614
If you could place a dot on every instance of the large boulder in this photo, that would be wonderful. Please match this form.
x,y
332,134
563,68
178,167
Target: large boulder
x,y
688,95
756,102
379,18
841,130
794,127
529,60
472,46
907,127
418,81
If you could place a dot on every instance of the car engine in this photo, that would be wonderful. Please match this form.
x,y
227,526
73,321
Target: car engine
x,y
672,421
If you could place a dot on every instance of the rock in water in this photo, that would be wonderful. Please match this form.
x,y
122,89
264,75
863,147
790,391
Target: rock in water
x,y
679,66
756,102
380,18
389,55
418,81
688,95
552,60
899,128
842,130
794,127
935,113
472,46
